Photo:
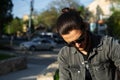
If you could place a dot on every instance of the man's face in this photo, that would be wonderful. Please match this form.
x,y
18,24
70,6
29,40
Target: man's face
x,y
75,38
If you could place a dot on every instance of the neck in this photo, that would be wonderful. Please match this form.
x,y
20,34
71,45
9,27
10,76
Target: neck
x,y
84,52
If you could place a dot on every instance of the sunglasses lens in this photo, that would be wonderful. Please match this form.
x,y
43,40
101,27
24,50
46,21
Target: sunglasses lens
x,y
79,40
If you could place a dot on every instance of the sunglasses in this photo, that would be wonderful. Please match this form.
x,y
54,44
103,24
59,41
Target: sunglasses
x,y
79,40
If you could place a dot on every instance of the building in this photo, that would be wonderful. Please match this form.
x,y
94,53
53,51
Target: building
x,y
101,8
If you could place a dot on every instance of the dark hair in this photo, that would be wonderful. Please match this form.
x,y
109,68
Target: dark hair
x,y
66,9
70,20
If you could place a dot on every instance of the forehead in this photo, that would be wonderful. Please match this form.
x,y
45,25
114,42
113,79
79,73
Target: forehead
x,y
72,35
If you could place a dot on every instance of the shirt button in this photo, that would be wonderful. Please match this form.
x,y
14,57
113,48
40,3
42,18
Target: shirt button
x,y
83,63
78,71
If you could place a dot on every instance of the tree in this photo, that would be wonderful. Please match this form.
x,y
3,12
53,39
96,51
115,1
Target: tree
x,y
98,12
14,26
60,4
115,5
5,13
114,24
48,18
84,12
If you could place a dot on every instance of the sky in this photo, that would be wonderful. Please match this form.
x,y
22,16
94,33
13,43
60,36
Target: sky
x,y
22,7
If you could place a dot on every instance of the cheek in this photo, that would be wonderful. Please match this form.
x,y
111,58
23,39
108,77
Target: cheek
x,y
80,45
84,43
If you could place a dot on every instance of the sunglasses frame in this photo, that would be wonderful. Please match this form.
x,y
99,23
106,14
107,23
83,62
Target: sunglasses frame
x,y
79,40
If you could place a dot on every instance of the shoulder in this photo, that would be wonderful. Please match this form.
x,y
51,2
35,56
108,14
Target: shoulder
x,y
107,38
110,40
63,54
66,51
63,51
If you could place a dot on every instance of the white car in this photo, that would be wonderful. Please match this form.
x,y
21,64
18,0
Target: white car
x,y
38,44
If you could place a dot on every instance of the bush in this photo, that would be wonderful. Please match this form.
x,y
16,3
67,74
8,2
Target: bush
x,y
6,48
5,56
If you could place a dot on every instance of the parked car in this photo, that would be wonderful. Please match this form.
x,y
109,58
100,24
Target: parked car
x,y
38,44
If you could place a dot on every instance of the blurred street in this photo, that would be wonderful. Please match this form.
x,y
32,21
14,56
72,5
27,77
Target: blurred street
x,y
37,62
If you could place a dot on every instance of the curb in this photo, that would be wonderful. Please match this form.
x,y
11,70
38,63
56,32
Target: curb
x,y
49,72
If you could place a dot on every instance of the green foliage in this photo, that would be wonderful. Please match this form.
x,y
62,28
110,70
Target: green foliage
x,y
114,24
84,12
48,17
14,26
56,76
5,56
5,13
32,28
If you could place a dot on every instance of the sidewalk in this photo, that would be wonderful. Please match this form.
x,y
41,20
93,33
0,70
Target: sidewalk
x,y
30,73
33,72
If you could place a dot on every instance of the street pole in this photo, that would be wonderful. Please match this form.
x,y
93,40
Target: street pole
x,y
30,18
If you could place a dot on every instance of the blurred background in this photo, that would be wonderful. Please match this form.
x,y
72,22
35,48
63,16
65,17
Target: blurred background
x,y
28,28
24,20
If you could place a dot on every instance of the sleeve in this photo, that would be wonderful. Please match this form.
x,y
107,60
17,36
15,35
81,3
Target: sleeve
x,y
115,52
63,65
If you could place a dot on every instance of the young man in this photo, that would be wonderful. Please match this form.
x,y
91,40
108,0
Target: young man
x,y
87,56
